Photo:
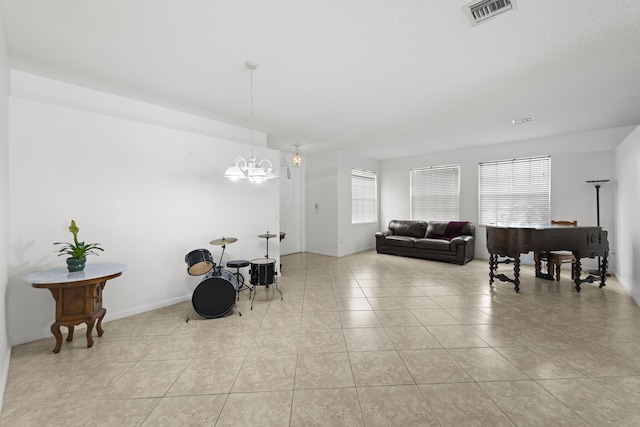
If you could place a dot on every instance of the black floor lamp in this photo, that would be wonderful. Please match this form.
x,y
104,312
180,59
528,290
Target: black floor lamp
x,y
597,183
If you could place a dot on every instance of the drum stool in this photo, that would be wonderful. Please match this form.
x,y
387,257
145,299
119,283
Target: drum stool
x,y
238,264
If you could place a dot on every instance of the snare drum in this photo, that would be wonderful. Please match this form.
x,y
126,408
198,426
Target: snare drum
x,y
263,271
216,294
199,262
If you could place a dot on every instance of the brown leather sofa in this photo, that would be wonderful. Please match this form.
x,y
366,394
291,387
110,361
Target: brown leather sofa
x,y
450,241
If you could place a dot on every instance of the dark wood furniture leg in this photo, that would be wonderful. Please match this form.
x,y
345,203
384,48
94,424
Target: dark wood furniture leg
x,y
577,270
492,268
516,274
90,332
493,265
55,330
603,271
99,324
558,268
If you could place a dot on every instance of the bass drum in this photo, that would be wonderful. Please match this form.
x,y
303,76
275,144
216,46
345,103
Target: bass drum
x,y
263,271
216,294
199,261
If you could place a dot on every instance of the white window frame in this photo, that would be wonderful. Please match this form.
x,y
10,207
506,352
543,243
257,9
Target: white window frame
x,y
435,193
364,196
515,191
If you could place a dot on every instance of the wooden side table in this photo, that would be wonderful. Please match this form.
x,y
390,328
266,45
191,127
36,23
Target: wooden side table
x,y
78,296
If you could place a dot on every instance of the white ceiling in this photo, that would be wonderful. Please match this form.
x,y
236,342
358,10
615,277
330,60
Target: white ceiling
x,y
382,78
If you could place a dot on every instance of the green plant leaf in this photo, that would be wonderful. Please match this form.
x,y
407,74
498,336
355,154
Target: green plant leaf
x,y
77,249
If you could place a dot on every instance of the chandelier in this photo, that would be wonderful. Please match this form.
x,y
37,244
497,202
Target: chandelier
x,y
253,170
297,159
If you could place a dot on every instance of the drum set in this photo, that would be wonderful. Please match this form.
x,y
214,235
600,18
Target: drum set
x,y
218,290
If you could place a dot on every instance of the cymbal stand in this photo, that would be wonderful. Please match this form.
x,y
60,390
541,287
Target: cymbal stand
x,y
221,255
267,236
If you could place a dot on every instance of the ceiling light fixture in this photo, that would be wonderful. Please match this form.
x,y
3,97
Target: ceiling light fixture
x,y
522,120
252,169
297,159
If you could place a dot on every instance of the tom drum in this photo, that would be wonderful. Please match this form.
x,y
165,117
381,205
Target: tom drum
x,y
263,271
199,262
216,294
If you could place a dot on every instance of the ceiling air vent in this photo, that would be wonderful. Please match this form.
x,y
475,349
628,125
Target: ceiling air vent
x,y
480,11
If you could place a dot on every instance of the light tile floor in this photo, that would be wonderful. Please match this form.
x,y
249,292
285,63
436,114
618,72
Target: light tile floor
x,y
367,339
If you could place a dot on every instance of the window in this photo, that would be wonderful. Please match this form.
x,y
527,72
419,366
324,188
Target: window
x,y
364,199
515,191
435,193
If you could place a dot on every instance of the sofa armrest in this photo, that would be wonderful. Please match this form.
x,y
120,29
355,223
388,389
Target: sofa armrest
x,y
380,236
462,240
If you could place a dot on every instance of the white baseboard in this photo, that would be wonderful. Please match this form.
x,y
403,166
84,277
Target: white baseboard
x,y
627,288
119,315
46,333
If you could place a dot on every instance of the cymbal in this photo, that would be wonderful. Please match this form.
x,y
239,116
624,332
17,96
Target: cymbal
x,y
224,241
266,236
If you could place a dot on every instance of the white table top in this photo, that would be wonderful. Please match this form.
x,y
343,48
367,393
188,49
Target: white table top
x,y
62,275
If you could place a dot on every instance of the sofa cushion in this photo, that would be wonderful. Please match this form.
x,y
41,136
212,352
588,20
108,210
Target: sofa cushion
x,y
454,229
400,241
408,228
436,229
433,244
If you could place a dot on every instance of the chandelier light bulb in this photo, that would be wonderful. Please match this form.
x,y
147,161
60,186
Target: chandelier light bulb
x,y
297,159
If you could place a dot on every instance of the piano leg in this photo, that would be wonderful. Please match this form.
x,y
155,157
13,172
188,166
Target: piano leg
x,y
516,274
493,264
577,269
603,272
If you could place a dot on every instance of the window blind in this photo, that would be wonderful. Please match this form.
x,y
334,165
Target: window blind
x,y
515,191
435,193
364,200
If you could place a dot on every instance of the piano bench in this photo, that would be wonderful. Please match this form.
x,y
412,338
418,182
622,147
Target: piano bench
x,y
558,258
555,259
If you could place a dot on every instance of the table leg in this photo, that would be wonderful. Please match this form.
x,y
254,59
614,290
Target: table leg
x,y
90,324
99,324
55,330
70,334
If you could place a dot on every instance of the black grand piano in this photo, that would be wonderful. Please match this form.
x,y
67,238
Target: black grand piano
x,y
512,240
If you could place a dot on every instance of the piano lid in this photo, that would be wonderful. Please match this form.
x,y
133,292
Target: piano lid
x,y
535,225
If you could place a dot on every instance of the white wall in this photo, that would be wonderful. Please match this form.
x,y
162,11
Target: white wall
x,y
353,238
574,159
5,344
148,193
292,218
322,203
37,88
329,228
627,187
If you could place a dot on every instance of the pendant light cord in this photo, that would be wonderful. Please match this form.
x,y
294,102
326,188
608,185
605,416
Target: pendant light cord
x,y
251,68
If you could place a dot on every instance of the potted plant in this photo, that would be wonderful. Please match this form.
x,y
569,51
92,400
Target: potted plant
x,y
77,251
